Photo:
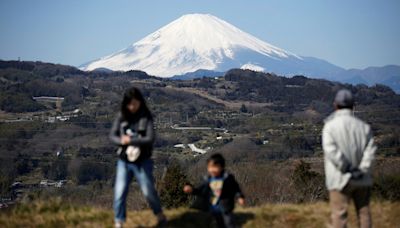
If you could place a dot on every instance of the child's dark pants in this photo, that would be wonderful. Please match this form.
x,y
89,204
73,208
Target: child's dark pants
x,y
224,220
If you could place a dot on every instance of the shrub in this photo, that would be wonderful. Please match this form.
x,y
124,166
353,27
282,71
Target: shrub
x,y
86,171
171,193
387,187
309,184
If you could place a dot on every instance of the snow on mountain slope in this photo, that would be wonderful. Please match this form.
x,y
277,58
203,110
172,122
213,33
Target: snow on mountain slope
x,y
193,42
253,67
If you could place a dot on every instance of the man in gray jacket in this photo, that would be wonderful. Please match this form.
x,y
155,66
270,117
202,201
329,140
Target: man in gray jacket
x,y
348,153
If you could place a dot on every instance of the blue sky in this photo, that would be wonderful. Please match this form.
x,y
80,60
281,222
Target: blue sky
x,y
351,34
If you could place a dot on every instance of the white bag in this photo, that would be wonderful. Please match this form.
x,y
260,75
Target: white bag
x,y
132,153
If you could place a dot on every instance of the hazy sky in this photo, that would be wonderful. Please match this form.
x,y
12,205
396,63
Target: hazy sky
x,y
348,33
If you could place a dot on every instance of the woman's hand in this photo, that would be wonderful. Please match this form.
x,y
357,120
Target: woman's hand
x,y
241,201
188,189
125,139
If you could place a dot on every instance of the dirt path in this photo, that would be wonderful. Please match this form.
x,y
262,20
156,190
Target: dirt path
x,y
229,104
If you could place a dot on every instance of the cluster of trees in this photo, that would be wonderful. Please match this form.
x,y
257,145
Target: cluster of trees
x,y
80,171
56,170
83,171
19,102
23,80
264,87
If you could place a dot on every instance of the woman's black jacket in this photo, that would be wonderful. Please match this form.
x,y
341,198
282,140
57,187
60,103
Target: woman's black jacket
x,y
143,136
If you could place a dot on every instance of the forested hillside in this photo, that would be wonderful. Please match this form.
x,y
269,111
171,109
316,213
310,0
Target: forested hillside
x,y
55,121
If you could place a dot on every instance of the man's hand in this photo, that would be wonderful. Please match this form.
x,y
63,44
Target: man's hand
x,y
188,189
356,174
125,139
241,201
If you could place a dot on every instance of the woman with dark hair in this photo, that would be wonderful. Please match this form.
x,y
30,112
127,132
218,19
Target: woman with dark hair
x,y
133,133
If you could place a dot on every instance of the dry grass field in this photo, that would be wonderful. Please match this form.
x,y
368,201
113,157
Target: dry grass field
x,y
55,213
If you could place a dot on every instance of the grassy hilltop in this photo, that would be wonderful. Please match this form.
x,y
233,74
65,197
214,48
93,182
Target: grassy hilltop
x,y
55,213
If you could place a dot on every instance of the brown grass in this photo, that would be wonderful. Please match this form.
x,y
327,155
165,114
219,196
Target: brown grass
x,y
55,213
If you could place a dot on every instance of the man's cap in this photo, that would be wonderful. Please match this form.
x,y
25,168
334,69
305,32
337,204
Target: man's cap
x,y
344,98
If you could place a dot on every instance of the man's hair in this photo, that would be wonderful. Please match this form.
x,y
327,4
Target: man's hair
x,y
217,159
344,99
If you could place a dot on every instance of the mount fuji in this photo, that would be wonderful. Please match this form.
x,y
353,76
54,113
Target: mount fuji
x,y
204,42
197,45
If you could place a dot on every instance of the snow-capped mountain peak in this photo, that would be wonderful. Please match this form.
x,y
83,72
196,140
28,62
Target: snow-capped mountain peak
x,y
203,33
190,43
